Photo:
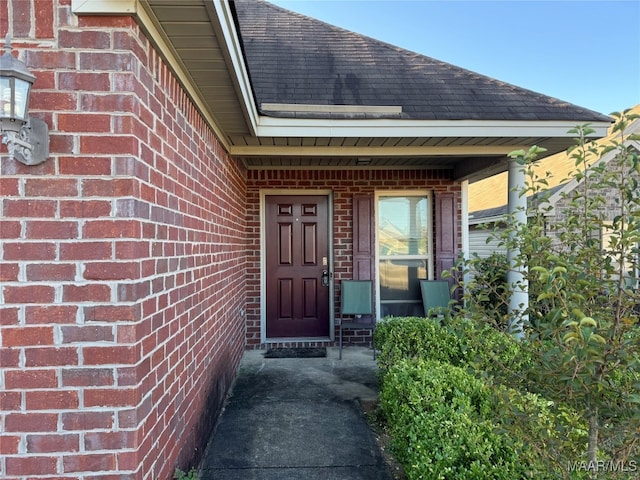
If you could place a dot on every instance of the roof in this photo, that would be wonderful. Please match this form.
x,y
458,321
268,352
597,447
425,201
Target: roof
x,y
293,59
490,194
282,90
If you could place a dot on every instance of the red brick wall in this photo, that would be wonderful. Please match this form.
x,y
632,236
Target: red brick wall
x,y
122,262
344,184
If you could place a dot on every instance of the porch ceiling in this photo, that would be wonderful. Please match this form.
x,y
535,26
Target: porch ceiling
x,y
201,42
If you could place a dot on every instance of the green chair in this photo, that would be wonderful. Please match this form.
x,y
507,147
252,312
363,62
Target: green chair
x,y
356,300
436,297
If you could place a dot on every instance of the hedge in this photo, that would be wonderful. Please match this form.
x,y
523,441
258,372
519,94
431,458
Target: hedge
x,y
451,398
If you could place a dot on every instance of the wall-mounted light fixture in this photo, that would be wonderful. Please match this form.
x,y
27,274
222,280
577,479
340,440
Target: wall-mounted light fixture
x,y
27,138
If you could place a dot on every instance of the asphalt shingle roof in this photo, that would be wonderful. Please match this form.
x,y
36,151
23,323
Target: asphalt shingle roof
x,y
294,59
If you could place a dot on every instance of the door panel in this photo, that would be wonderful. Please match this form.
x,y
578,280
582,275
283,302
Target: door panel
x,y
296,240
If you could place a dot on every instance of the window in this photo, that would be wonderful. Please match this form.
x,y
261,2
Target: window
x,y
404,251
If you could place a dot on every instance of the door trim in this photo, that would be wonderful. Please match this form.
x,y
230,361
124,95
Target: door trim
x,y
263,261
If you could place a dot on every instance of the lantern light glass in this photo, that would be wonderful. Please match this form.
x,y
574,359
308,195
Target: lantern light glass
x,y
27,139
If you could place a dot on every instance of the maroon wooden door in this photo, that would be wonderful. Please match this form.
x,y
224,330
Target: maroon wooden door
x,y
297,253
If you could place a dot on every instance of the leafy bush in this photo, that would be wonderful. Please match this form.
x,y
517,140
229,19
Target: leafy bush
x,y
399,338
439,417
460,342
447,390
488,287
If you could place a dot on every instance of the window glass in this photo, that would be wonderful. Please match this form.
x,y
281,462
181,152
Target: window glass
x,y
402,226
403,252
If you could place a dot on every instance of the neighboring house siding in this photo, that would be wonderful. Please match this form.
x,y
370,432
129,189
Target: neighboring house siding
x,y
119,336
560,198
345,185
483,243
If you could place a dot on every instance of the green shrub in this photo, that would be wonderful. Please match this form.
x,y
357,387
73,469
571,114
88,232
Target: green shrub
x,y
453,398
439,417
460,342
492,352
399,338
552,435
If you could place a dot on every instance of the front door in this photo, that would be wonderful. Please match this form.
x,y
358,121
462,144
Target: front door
x,y
297,254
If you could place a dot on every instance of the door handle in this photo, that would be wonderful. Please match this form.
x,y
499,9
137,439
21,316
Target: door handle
x,y
325,278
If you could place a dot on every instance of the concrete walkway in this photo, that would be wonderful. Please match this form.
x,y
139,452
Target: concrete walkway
x,y
298,418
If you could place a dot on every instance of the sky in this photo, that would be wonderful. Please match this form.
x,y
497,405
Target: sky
x,y
586,52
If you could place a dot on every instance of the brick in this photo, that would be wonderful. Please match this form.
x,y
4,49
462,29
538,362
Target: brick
x,y
86,251
31,422
110,397
55,229
45,81
89,463
107,103
95,420
22,20
44,19
29,251
131,249
9,272
116,187
52,400
85,165
90,292
80,39
87,377
8,187
111,270
109,145
87,333
110,355
109,440
26,336
9,316
62,143
53,443
9,357
39,465
109,61
112,313
51,187
10,444
54,101
132,292
22,208
10,401
112,229
28,294
43,356
83,81
50,271
58,314
50,60
28,379
84,123
10,229
85,208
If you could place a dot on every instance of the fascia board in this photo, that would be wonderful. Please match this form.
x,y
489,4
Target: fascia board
x,y
104,7
234,49
279,127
